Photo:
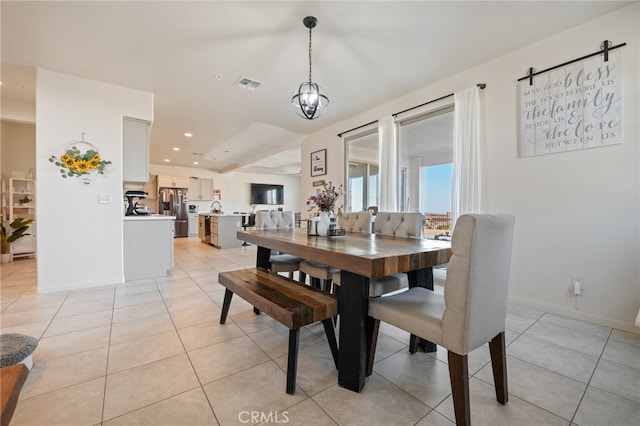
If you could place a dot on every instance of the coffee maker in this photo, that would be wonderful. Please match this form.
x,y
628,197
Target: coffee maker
x,y
134,209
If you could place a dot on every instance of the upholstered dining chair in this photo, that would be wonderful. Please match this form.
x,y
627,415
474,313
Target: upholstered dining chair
x,y
322,275
401,224
280,262
472,310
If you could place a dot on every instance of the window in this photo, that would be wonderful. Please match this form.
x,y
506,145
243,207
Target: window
x,y
426,168
362,172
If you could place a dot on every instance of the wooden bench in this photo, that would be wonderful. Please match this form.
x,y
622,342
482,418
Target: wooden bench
x,y
292,304
11,380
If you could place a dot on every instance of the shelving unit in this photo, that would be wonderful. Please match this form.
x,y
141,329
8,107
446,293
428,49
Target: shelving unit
x,y
19,200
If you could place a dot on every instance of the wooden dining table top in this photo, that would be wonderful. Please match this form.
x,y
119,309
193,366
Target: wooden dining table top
x,y
369,255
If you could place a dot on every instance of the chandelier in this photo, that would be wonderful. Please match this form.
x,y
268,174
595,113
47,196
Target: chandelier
x,y
309,100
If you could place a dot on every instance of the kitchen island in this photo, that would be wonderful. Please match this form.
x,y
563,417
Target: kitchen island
x,y
222,229
148,246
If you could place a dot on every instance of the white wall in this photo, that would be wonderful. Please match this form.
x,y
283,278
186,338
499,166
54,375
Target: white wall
x,y
577,212
79,240
235,187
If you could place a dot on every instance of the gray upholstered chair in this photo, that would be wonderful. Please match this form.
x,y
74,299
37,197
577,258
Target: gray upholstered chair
x,y
322,276
279,220
472,311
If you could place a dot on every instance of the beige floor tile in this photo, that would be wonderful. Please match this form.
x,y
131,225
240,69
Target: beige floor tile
x,y
617,379
144,350
198,315
137,299
70,343
435,419
58,373
208,333
603,408
138,328
86,295
577,340
622,353
225,358
259,389
250,322
31,303
136,287
573,324
139,387
78,322
275,340
78,405
316,368
553,392
486,411
182,291
136,312
27,317
35,329
380,403
420,375
189,408
305,413
625,337
78,308
197,300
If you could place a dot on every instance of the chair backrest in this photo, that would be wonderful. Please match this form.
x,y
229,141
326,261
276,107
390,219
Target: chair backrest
x,y
355,221
476,287
275,220
400,224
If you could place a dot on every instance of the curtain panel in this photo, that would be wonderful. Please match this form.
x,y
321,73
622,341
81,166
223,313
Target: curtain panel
x,y
467,176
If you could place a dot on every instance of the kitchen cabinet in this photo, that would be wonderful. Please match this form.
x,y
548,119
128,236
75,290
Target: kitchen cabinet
x,y
19,201
151,188
223,230
193,224
173,182
200,189
136,161
148,246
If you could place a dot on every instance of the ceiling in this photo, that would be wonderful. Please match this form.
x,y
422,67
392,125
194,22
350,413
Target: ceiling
x,y
190,54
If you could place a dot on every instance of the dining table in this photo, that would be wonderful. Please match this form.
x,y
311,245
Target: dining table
x,y
360,258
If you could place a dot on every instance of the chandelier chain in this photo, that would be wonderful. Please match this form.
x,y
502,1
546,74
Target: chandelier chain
x,y
309,55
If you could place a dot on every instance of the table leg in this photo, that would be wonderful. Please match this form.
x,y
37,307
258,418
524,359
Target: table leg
x,y
354,309
421,278
262,261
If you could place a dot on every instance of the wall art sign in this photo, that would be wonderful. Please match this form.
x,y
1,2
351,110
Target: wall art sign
x,y
577,106
319,163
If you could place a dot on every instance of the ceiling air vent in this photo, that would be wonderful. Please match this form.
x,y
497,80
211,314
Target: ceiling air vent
x,y
248,83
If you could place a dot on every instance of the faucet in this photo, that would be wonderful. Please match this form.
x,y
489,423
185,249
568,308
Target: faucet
x,y
216,207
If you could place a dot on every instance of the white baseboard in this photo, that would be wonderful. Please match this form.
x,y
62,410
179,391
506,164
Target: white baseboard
x,y
562,310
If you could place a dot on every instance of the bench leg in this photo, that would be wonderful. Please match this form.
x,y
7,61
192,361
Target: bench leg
x,y
331,337
228,294
292,362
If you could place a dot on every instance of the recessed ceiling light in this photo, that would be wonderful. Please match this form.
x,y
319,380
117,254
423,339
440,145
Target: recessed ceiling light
x,y
175,148
188,135
196,163
166,160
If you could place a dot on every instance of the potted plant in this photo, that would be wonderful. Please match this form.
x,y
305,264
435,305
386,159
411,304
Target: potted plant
x,y
18,229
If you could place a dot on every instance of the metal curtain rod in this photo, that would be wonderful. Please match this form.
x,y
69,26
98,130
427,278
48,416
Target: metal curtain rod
x,y
604,49
480,85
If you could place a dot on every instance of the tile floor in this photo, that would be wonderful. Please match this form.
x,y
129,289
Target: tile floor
x,y
152,353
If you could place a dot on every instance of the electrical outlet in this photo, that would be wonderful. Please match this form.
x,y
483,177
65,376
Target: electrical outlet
x,y
577,285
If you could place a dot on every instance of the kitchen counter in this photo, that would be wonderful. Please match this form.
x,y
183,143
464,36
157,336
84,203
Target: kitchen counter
x,y
149,217
148,246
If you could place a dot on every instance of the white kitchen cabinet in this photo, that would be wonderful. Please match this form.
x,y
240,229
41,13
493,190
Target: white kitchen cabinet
x,y
148,246
193,224
173,182
135,150
200,189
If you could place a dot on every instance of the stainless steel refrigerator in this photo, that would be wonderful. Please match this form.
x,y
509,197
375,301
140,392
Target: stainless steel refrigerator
x,y
174,202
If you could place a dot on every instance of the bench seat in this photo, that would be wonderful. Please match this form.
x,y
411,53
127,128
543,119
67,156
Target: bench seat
x,y
290,303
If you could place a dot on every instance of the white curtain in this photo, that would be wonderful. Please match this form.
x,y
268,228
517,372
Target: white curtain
x,y
467,181
388,160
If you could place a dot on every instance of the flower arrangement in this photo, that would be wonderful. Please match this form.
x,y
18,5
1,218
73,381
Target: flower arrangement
x,y
326,200
74,163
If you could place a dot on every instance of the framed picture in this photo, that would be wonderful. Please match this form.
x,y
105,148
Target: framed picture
x,y
319,163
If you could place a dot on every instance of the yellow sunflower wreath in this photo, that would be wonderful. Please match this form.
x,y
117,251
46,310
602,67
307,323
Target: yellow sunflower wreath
x,y
74,163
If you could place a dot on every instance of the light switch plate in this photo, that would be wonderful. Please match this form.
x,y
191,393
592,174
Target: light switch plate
x,y
104,198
